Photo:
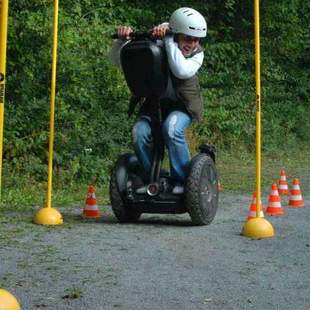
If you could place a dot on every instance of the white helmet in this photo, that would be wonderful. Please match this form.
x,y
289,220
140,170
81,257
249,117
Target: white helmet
x,y
188,21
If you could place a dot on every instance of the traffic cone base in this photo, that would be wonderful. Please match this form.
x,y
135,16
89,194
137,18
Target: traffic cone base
x,y
274,211
91,213
296,200
296,203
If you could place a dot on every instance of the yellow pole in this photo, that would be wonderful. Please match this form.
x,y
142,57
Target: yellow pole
x,y
258,227
49,215
258,108
4,8
52,113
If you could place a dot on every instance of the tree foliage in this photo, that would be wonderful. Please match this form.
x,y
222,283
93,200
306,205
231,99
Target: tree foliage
x,y
92,127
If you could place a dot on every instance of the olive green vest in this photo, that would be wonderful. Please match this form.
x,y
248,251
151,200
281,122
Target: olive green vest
x,y
188,93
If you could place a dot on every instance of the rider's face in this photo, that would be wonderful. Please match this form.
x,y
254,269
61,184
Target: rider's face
x,y
187,44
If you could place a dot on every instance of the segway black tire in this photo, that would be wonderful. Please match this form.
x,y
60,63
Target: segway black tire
x,y
122,211
201,191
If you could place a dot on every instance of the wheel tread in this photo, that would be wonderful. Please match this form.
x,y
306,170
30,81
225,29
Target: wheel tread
x,y
119,207
198,215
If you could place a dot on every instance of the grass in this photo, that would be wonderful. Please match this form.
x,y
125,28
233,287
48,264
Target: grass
x,y
21,196
237,174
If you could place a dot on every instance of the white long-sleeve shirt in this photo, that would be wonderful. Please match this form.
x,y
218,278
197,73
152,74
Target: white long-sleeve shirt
x,y
181,67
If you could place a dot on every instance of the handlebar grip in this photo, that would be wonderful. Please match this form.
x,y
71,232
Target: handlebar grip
x,y
140,35
135,35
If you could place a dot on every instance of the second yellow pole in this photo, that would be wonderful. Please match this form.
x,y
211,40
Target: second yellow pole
x,y
48,215
258,227
258,108
52,112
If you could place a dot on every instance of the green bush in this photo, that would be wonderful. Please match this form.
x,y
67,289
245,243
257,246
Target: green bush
x,y
91,124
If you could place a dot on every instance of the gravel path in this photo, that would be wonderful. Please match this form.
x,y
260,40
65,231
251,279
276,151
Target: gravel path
x,y
160,263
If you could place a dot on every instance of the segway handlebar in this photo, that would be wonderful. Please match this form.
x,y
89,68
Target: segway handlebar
x,y
136,35
140,35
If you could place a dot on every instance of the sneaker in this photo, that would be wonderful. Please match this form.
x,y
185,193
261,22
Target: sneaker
x,y
178,190
141,190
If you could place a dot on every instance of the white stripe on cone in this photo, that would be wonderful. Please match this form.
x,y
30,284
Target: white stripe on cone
x,y
275,204
296,197
283,186
91,207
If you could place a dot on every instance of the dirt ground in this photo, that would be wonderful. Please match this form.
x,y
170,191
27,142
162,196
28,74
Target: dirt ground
x,y
162,262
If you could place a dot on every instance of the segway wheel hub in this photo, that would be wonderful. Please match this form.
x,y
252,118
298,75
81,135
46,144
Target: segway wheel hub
x,y
153,189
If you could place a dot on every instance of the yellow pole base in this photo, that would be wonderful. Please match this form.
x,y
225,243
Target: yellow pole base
x,y
257,228
48,216
8,301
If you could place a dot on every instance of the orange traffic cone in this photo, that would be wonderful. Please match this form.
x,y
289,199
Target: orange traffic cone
x,y
252,209
91,208
283,186
296,200
274,202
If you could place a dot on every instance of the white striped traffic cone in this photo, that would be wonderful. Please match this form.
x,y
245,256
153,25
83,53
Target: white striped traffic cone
x,y
252,209
91,208
296,200
283,185
274,202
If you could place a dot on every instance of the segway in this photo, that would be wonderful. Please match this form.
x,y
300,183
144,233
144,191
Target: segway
x,y
145,67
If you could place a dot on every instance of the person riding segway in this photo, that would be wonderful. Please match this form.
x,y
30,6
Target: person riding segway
x,y
160,69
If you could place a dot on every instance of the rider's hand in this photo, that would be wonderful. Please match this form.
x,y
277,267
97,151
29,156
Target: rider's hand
x,y
123,32
160,31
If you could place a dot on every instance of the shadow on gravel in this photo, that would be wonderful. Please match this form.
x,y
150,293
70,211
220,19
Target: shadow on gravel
x,y
165,222
109,219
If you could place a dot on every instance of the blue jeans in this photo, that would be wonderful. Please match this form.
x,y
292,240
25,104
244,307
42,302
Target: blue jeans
x,y
174,135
